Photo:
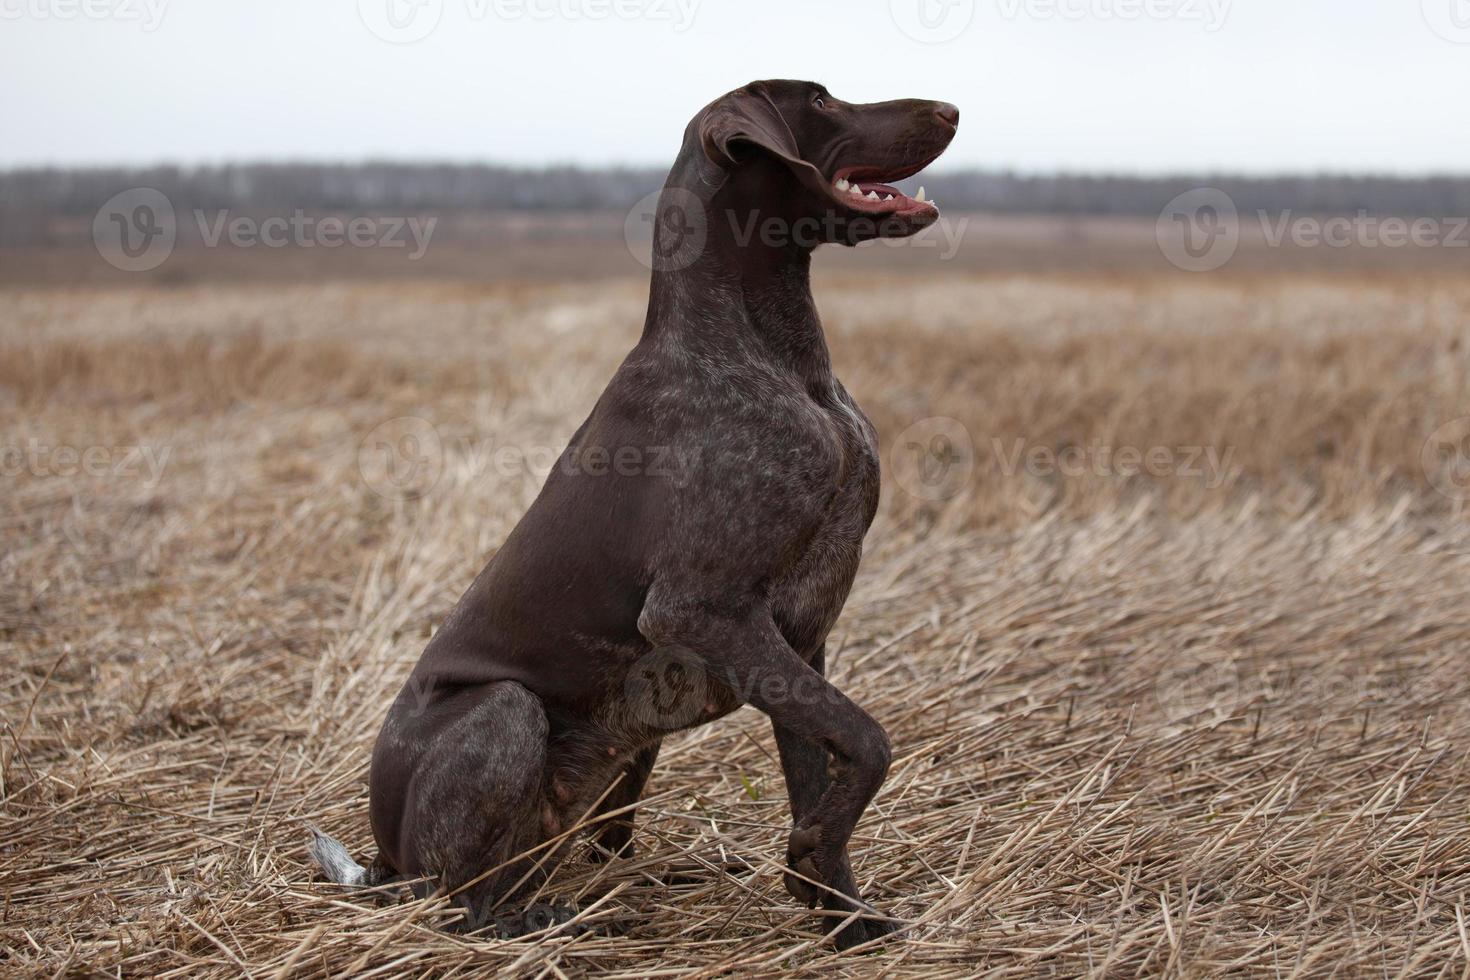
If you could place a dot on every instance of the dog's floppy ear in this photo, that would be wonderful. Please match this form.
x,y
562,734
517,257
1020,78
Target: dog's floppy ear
x,y
745,115
748,117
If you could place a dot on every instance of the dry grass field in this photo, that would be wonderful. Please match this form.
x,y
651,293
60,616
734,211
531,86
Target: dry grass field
x,y
1165,611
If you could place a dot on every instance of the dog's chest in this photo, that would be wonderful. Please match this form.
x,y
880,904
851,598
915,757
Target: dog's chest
x,y
809,597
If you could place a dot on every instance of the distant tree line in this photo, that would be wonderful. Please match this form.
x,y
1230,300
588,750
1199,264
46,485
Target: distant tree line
x,y
1320,194
56,205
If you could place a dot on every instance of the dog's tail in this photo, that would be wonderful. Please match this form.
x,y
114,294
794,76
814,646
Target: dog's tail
x,y
337,864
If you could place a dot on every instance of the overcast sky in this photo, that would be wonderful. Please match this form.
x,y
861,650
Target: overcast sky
x,y
1134,85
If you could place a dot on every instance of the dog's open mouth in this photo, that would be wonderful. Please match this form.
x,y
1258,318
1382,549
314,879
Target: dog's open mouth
x,y
862,189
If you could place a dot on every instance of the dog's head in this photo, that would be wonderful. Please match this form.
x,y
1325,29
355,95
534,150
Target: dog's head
x,y
794,151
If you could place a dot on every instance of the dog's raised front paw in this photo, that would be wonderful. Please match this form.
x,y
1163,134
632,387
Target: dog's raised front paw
x,y
801,850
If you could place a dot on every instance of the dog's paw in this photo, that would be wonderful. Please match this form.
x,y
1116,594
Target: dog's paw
x,y
539,917
800,887
861,931
801,851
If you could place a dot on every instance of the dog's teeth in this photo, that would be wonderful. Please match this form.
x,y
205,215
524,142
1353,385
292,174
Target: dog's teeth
x,y
872,195
888,197
842,184
920,196
855,189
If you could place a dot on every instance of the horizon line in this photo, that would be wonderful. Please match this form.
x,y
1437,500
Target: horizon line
x,y
11,169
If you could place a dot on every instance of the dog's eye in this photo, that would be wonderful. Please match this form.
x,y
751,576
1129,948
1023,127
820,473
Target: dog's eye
x,y
819,102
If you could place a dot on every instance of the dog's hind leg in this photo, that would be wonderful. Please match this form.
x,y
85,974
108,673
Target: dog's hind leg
x,y
474,802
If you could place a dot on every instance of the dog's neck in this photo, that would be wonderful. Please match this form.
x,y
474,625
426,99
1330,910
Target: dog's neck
x,y
741,298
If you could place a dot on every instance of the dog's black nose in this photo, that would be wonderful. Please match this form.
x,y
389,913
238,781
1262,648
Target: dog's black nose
x,y
949,113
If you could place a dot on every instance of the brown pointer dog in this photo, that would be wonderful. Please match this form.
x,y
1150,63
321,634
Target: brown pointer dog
x,y
691,549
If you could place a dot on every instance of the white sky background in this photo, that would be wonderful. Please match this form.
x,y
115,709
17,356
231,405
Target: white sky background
x,y
1300,85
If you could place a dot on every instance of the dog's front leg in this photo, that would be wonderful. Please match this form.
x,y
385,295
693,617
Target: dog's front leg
x,y
614,837
742,649
804,764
